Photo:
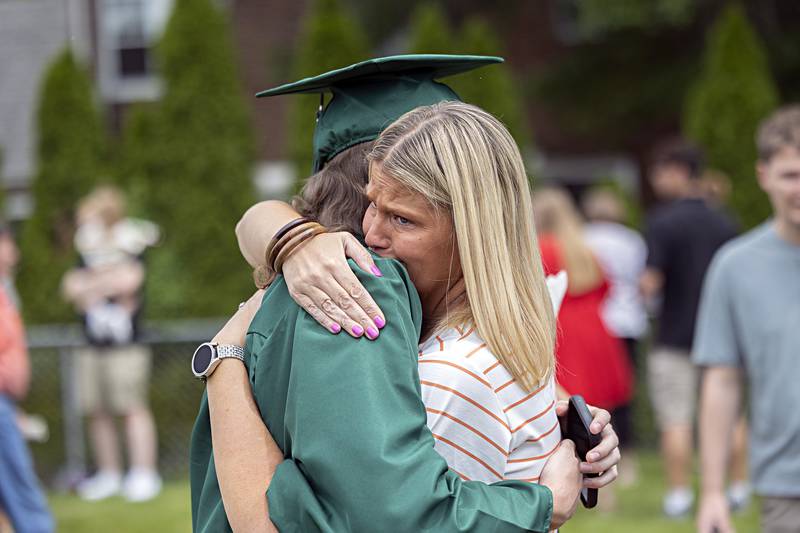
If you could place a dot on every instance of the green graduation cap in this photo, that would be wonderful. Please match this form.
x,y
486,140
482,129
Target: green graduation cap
x,y
370,95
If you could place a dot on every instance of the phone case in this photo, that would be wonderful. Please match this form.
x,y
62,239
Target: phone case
x,y
578,421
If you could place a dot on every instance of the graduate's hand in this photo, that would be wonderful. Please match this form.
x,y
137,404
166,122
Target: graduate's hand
x,y
561,474
321,282
603,458
235,330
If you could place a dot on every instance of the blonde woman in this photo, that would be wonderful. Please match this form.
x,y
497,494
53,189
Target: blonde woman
x,y
591,362
448,199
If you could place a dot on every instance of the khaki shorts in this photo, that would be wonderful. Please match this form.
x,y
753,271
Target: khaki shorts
x,y
113,379
780,515
673,380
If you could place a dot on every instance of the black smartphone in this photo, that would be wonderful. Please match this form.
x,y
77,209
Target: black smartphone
x,y
577,430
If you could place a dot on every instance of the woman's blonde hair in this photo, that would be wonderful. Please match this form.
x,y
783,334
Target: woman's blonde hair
x,y
464,160
556,214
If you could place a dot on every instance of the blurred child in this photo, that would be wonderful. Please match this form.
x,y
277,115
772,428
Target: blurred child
x,y
113,370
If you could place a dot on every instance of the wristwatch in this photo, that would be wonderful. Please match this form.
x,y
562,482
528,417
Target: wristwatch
x,y
209,354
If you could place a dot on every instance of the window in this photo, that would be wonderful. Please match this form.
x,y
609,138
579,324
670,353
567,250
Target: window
x,y
128,31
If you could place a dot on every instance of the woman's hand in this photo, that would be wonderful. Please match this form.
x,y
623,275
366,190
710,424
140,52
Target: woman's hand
x,y
235,330
561,474
321,282
603,458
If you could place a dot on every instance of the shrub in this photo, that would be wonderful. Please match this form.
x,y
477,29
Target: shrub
x,y
733,94
70,161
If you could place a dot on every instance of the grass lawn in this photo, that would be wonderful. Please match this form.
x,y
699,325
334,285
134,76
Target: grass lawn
x,y
638,510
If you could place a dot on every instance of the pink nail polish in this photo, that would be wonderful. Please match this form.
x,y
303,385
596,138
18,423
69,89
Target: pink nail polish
x,y
372,333
375,270
336,328
379,321
357,331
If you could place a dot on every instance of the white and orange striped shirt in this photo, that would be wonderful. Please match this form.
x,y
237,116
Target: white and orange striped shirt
x,y
486,426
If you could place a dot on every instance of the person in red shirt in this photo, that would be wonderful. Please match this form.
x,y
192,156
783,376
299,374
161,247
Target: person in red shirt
x,y
21,498
589,360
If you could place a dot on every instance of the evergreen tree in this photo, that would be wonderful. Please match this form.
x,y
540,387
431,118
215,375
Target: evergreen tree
x,y
69,156
431,32
493,87
329,39
734,93
192,158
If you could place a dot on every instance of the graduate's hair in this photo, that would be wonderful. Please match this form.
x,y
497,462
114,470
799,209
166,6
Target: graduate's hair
x,y
464,161
334,196
557,215
779,130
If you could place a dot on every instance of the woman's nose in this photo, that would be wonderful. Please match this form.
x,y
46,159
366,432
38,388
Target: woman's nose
x,y
376,236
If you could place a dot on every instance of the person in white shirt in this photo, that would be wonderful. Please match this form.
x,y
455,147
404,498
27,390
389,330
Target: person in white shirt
x,y
622,254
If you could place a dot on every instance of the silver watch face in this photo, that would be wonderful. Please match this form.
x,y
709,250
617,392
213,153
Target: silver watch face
x,y
202,359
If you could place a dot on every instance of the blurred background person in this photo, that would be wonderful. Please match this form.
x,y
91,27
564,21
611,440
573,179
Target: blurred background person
x,y
589,360
21,497
114,371
621,252
682,235
748,328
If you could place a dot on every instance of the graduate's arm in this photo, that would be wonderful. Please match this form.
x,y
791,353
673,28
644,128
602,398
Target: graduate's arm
x,y
357,424
245,454
317,274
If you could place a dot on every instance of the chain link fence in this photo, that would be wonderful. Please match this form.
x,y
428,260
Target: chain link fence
x,y
65,456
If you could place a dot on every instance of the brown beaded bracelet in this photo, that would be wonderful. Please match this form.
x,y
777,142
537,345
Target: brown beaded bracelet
x,y
282,232
295,244
286,239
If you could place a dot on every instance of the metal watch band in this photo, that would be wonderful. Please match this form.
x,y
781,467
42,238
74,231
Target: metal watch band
x,y
225,351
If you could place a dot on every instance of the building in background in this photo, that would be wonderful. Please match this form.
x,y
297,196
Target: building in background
x,y
115,39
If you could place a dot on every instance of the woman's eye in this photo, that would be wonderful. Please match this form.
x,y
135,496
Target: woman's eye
x,y
402,220
372,205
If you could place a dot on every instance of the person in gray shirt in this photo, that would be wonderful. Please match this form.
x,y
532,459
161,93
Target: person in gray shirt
x,y
749,327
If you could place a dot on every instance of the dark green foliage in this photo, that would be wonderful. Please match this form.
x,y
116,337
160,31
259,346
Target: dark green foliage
x,y
329,39
188,163
69,157
734,93
596,16
492,88
430,31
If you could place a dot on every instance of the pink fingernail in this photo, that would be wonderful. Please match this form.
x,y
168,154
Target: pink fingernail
x,y
336,328
372,333
375,270
357,331
380,322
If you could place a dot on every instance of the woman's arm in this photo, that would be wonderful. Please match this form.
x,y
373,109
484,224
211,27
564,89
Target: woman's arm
x,y
258,225
245,455
317,274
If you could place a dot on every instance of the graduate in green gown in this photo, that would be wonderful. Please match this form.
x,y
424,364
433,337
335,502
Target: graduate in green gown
x,y
355,452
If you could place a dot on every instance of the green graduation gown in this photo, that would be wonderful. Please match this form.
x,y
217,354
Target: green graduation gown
x,y
349,418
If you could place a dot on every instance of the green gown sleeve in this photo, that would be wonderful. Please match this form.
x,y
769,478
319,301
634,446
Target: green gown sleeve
x,y
360,456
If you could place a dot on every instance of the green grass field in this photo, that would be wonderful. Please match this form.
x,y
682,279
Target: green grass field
x,y
637,511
